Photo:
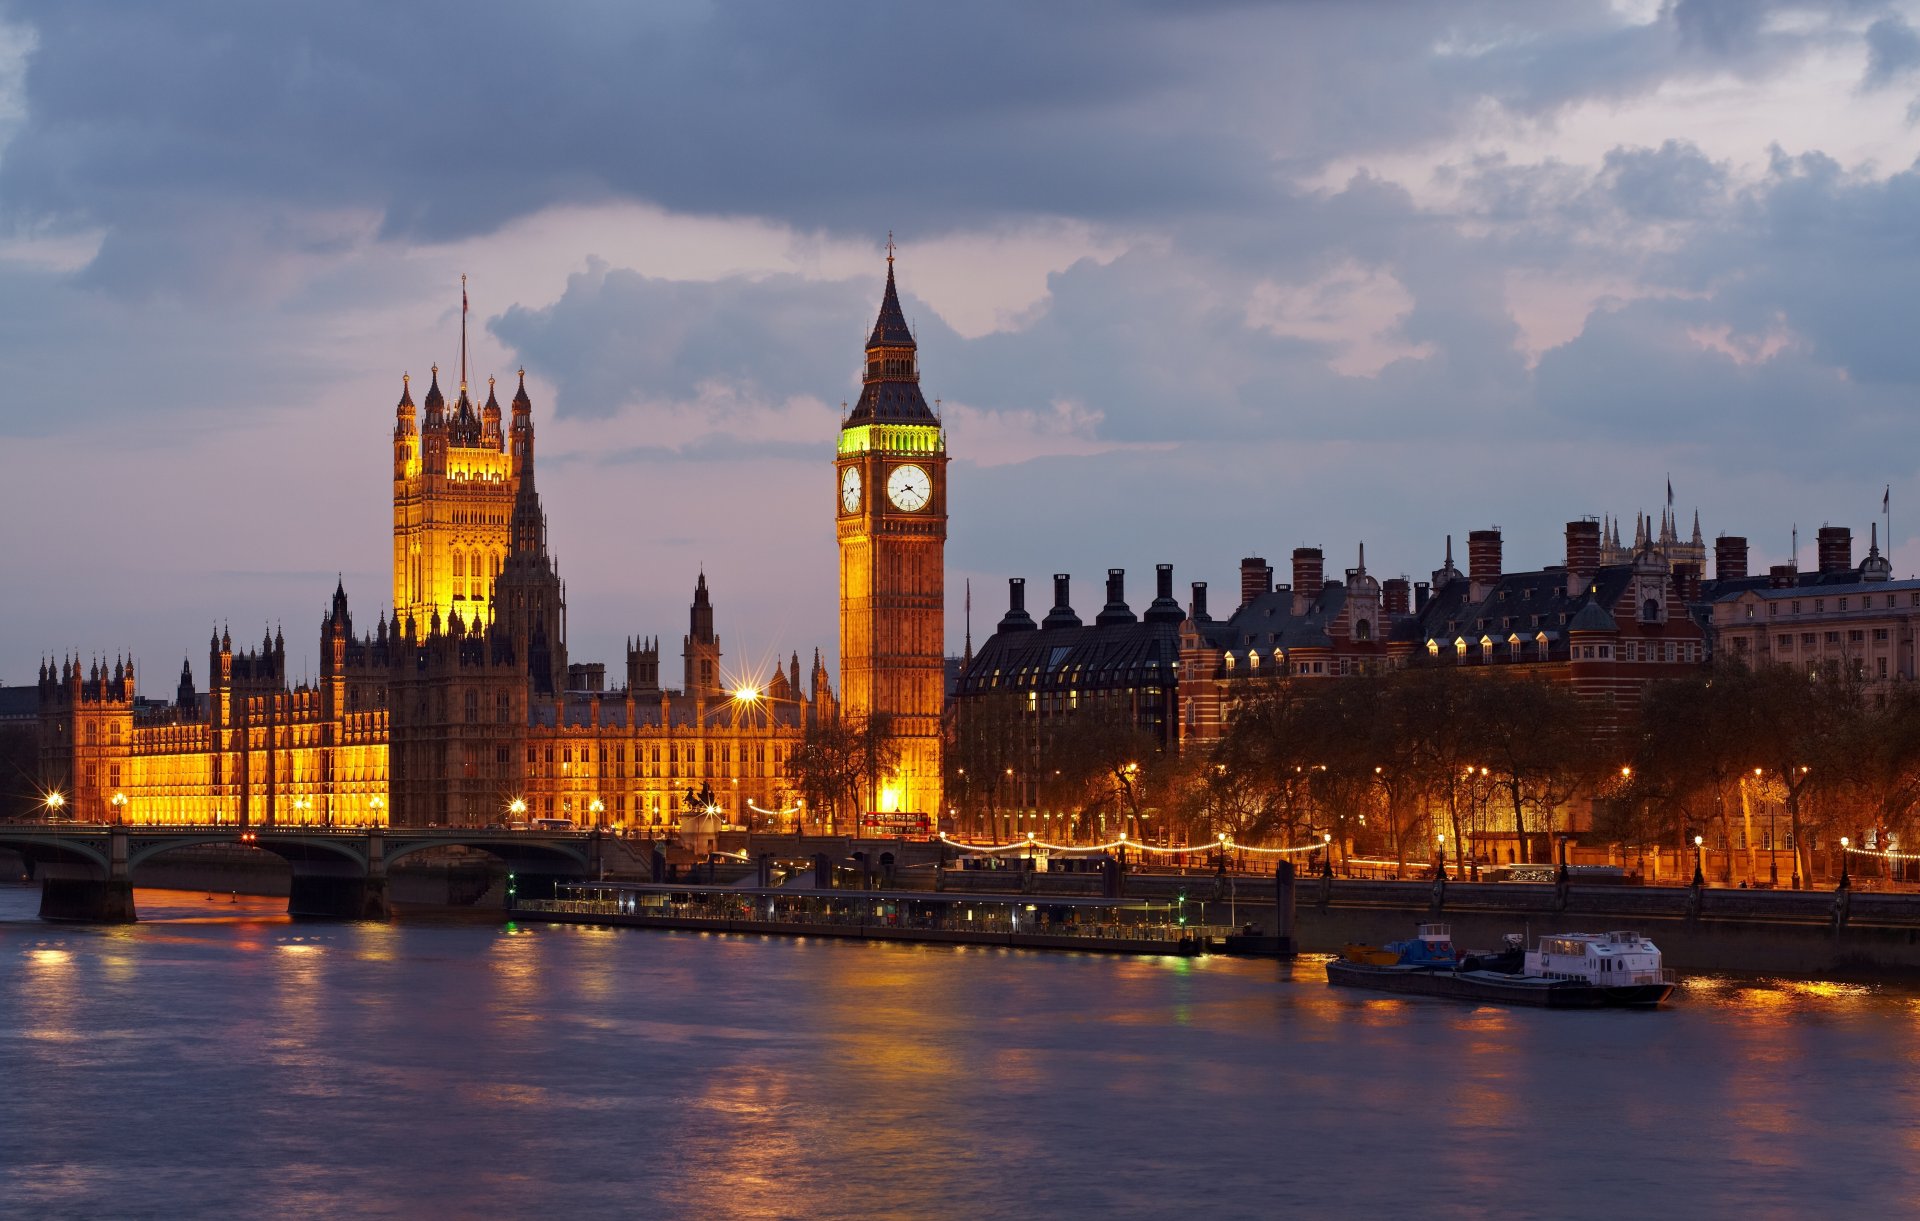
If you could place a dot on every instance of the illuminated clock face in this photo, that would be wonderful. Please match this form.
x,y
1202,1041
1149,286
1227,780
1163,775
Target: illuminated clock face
x,y
909,488
850,490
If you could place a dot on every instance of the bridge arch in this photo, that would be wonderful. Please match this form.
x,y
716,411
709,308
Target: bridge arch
x,y
515,851
67,851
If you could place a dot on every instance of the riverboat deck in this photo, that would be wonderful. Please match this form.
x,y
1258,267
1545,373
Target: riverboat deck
x,y
1126,926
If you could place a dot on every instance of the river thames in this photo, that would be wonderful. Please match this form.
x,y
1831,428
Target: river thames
x,y
221,1059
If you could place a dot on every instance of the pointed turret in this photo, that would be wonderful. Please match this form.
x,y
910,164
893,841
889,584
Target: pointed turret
x,y
403,413
890,387
1698,539
490,435
436,402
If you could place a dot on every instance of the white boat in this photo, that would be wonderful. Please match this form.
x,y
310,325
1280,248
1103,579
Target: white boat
x,y
1618,960
1566,970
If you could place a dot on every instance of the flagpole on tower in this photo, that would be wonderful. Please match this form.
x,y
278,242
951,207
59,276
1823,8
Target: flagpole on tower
x,y
1886,513
463,333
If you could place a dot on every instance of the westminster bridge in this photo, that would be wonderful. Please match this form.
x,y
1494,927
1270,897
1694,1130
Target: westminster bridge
x,y
88,871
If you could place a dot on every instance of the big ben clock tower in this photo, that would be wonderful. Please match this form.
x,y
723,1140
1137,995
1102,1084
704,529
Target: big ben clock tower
x,y
890,499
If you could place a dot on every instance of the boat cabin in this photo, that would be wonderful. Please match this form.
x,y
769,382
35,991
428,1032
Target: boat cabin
x,y
1597,958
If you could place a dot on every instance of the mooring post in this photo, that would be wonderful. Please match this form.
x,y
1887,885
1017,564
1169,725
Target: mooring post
x,y
1283,898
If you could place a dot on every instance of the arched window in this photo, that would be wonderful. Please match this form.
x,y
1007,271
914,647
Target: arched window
x,y
1650,610
1363,630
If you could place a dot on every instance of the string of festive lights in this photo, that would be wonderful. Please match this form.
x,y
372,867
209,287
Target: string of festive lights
x,y
1223,843
774,813
1887,854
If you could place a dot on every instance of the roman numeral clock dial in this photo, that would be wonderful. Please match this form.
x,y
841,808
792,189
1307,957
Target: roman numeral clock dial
x,y
909,488
850,490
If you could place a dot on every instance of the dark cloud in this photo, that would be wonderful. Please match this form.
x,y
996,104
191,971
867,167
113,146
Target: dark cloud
x,y
259,178
617,337
1893,48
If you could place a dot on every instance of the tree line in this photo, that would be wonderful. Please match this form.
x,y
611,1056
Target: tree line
x,y
1401,766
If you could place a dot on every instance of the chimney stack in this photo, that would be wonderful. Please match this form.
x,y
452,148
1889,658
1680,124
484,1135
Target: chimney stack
x,y
1483,561
1783,576
1164,609
1583,551
1256,578
1062,613
1017,619
1395,596
1116,610
1836,549
1197,610
1422,594
1686,583
1308,573
1729,557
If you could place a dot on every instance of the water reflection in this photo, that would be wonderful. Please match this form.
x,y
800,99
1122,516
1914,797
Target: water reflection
x,y
243,1063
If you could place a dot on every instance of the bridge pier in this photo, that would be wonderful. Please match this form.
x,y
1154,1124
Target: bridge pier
x,y
93,900
332,897
107,900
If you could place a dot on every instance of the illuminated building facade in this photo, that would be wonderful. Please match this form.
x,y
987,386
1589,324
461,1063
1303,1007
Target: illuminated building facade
x,y
890,490
459,710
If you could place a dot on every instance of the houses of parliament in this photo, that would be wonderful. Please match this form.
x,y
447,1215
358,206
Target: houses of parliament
x,y
462,708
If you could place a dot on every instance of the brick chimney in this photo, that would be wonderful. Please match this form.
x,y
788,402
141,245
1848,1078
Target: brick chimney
x,y
1396,596
1836,549
1256,578
1729,557
1783,576
1686,584
1309,571
1583,553
1483,561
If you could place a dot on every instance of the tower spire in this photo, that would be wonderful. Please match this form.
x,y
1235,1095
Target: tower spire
x,y
969,647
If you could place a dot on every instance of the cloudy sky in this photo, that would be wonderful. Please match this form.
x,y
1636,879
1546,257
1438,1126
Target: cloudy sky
x,y
1192,281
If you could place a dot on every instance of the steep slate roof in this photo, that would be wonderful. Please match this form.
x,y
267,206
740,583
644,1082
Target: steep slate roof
x,y
1093,658
1533,602
1269,622
891,399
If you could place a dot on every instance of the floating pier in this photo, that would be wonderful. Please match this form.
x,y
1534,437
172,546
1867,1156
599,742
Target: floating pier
x,y
1049,922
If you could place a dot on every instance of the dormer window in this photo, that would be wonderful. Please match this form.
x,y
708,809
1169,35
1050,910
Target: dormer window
x,y
1650,610
1363,630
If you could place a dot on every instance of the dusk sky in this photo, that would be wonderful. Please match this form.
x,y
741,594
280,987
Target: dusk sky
x,y
1192,282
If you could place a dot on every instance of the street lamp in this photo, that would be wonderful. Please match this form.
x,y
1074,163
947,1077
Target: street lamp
x,y
376,805
597,807
518,809
1440,854
56,800
1699,860
301,805
119,802
1844,881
